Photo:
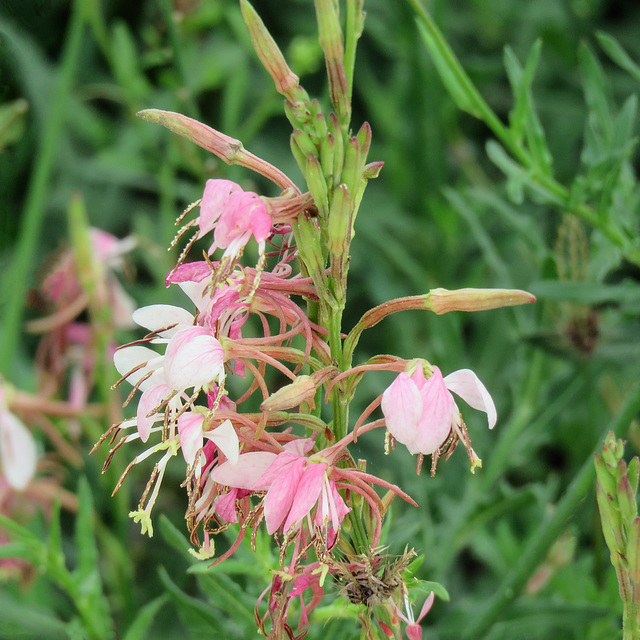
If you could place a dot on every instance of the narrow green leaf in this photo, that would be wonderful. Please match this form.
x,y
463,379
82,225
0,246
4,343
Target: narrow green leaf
x,y
222,591
174,537
595,91
144,619
201,619
615,51
85,536
451,72
19,620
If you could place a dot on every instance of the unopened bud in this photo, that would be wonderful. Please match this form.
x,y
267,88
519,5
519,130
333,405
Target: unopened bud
x,y
443,301
302,389
270,55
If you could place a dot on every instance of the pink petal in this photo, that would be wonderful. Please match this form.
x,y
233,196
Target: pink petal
x,y
466,384
244,474
225,506
279,498
279,467
158,316
300,446
426,607
149,400
190,432
307,493
402,408
17,451
261,222
190,272
215,199
226,439
438,411
193,358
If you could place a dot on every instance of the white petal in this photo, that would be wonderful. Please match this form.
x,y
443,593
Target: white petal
x,y
130,357
17,451
226,439
158,316
466,384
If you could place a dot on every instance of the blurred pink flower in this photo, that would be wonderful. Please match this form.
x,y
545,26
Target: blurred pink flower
x,y
421,413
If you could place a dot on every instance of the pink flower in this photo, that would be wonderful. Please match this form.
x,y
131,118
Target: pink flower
x,y
233,215
294,485
414,630
192,435
421,413
193,358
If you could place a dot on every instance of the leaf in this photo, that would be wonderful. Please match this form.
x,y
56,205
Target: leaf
x,y
138,630
200,618
174,537
19,620
615,51
595,92
450,70
86,570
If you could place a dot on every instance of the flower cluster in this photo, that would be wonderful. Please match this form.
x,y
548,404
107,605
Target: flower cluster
x,y
238,381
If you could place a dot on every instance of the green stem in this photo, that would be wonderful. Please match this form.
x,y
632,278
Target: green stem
x,y
15,281
550,528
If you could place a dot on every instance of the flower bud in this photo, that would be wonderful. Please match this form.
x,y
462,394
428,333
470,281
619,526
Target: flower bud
x,y
286,81
633,550
443,301
302,389
339,221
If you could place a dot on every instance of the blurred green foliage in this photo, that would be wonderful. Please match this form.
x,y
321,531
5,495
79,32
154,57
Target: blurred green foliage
x,y
451,208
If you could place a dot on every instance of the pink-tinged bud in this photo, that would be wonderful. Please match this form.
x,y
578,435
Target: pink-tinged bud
x,y
443,301
228,149
270,55
193,358
302,389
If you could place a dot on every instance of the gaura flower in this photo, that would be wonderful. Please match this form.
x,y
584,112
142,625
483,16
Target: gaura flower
x,y
421,413
234,216
414,630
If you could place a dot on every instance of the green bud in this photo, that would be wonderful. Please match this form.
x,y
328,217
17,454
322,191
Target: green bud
x,y
351,172
339,221
338,154
298,114
317,185
304,143
327,151
611,526
287,82
633,473
610,455
633,550
364,139
627,500
298,154
606,482
319,122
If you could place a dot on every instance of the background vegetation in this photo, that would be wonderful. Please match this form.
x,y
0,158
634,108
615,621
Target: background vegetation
x,y
519,545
